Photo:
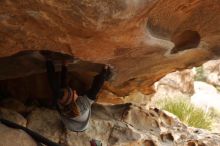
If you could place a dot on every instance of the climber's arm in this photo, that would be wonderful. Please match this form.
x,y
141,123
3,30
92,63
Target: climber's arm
x,y
98,82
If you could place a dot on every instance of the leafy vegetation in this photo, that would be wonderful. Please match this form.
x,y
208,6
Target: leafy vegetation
x,y
188,113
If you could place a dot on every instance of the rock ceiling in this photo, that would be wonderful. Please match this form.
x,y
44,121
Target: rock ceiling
x,y
142,39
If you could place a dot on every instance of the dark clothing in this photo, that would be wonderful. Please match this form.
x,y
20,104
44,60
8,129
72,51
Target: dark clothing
x,y
58,83
96,86
54,80
64,73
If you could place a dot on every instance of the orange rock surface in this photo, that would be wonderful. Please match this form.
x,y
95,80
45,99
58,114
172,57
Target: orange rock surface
x,y
142,39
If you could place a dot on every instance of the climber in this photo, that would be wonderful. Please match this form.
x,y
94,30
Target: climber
x,y
75,110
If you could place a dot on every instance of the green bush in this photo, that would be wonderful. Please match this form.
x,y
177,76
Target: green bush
x,y
188,113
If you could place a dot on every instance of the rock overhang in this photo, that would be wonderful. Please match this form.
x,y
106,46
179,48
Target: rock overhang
x,y
139,38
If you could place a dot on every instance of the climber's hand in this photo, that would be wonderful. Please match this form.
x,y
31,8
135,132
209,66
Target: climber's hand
x,y
107,72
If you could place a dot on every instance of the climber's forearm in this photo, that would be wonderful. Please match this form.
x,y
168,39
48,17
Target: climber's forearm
x,y
96,86
98,82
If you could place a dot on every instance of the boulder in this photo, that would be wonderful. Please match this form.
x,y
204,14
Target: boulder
x,y
211,71
206,96
46,122
127,124
14,137
13,116
179,84
115,125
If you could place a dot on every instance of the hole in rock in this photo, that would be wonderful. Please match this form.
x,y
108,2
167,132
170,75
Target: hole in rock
x,y
167,137
191,143
186,40
149,143
23,76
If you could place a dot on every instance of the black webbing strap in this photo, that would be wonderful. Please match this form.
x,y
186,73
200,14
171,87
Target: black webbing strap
x,y
34,135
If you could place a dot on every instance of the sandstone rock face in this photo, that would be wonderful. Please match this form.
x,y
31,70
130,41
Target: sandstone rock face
x,y
142,39
115,125
13,137
106,97
129,125
179,84
136,98
13,116
206,96
47,122
211,71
